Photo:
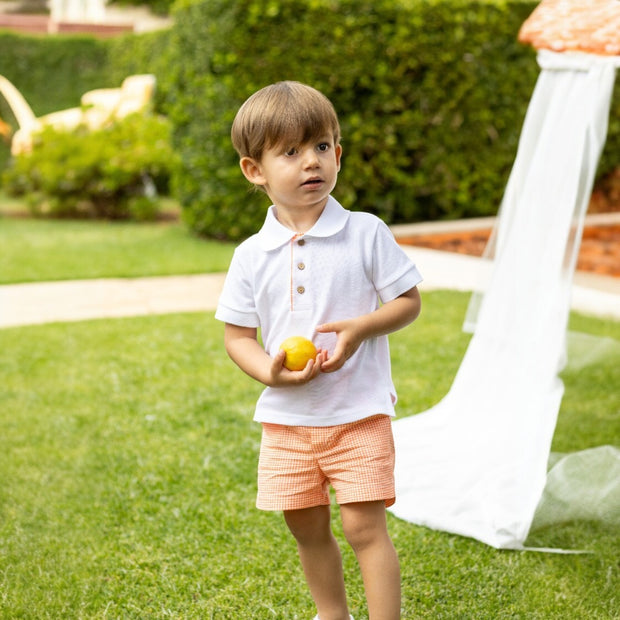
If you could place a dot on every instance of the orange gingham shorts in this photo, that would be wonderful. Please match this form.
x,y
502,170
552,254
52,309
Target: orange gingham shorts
x,y
297,464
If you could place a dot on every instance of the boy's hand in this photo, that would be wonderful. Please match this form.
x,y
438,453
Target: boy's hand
x,y
281,376
349,339
391,316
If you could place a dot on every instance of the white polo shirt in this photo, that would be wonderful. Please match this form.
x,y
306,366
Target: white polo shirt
x,y
287,284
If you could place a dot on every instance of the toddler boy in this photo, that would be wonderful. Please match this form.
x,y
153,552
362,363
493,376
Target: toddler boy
x,y
317,270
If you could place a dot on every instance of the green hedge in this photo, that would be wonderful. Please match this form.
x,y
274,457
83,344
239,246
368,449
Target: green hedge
x,y
53,72
431,97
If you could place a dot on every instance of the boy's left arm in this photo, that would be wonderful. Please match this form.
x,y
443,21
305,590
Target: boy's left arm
x,y
390,317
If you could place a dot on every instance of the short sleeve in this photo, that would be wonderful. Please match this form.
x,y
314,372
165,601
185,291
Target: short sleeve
x,y
393,271
236,304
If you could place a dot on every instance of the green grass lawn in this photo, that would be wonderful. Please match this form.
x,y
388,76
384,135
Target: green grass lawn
x,y
38,249
128,463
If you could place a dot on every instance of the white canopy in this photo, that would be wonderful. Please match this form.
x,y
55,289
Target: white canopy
x,y
475,464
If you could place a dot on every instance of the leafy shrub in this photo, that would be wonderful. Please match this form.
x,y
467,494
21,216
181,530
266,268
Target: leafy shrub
x,y
108,173
431,98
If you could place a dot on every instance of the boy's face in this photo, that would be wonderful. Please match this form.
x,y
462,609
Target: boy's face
x,y
296,176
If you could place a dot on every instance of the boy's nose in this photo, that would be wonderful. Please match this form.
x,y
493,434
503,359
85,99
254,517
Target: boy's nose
x,y
310,158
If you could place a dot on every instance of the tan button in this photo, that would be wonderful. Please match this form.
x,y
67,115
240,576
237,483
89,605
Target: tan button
x,y
301,290
302,242
301,266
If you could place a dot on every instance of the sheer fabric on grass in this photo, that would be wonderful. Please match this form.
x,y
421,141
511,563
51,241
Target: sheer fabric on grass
x,y
476,463
582,486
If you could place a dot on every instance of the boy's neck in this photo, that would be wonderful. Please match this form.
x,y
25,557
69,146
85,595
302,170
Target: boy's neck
x,y
301,220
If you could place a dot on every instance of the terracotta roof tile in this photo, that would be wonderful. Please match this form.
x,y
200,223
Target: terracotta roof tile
x,y
591,26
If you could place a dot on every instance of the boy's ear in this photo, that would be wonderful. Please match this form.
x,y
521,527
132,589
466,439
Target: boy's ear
x,y
338,155
252,171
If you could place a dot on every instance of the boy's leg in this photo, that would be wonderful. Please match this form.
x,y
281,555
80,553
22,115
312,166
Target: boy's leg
x,y
321,560
365,528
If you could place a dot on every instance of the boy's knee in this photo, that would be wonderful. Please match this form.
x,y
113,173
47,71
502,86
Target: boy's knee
x,y
363,526
309,525
361,536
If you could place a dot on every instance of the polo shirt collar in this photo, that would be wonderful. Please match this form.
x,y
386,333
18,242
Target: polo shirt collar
x,y
273,234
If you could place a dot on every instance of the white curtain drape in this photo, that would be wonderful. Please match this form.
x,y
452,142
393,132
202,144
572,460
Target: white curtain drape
x,y
475,464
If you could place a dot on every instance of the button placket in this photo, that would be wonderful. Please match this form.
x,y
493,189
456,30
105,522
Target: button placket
x,y
299,274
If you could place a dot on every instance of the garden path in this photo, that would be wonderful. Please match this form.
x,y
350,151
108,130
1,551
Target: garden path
x,y
44,302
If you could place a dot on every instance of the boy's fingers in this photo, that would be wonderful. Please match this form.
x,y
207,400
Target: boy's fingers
x,y
334,362
327,327
277,362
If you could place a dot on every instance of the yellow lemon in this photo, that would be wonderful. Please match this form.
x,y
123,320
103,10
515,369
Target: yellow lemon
x,y
298,351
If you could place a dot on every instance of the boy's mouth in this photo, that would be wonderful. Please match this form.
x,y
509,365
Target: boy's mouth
x,y
313,181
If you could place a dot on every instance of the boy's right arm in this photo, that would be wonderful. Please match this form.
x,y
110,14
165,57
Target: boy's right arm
x,y
244,349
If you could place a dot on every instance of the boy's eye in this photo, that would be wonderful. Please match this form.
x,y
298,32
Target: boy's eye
x,y
324,146
290,152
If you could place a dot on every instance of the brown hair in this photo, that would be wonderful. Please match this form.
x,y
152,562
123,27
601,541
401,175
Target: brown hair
x,y
284,113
